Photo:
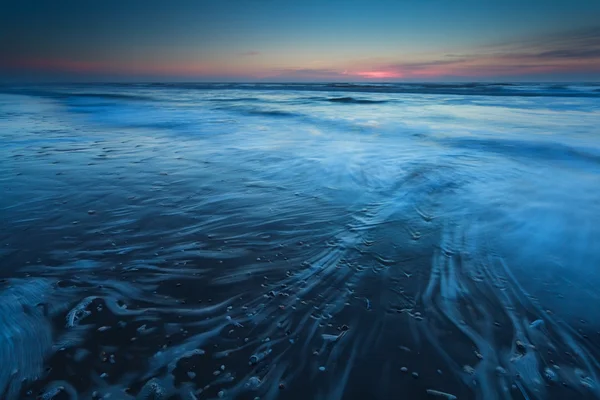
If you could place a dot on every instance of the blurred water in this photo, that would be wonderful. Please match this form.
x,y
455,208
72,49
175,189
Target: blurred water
x,y
156,237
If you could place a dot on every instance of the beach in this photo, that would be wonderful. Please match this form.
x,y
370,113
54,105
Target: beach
x,y
295,241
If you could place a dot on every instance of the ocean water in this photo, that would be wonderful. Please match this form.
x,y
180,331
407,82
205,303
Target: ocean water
x,y
295,241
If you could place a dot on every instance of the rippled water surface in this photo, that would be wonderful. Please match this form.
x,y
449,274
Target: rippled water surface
x,y
300,241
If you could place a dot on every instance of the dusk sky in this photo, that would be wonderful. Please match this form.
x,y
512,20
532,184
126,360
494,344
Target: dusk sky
x,y
300,40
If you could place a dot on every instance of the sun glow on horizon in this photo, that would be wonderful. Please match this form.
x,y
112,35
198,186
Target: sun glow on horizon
x,y
379,74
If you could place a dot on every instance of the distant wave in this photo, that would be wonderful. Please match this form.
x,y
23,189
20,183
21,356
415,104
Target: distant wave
x,y
260,111
66,92
469,88
352,100
115,96
472,88
273,113
524,148
236,99
476,89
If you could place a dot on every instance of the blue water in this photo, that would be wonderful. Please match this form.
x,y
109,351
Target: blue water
x,y
156,237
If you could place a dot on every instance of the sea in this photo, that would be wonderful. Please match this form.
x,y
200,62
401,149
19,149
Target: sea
x,y
300,241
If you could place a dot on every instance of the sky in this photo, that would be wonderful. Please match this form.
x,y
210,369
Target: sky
x,y
300,40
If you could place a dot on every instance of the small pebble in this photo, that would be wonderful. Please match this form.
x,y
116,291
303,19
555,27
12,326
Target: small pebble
x,y
321,368
550,375
415,375
253,383
404,369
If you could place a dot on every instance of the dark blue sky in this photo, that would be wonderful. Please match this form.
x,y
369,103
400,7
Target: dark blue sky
x,y
300,40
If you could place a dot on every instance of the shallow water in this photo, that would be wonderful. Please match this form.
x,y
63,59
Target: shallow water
x,y
300,241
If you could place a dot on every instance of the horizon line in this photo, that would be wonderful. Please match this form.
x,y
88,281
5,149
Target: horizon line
x,y
464,82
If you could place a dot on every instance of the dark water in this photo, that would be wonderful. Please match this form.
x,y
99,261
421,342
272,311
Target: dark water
x,y
300,241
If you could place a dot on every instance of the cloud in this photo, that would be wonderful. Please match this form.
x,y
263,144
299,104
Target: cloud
x,y
571,53
567,52
579,44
